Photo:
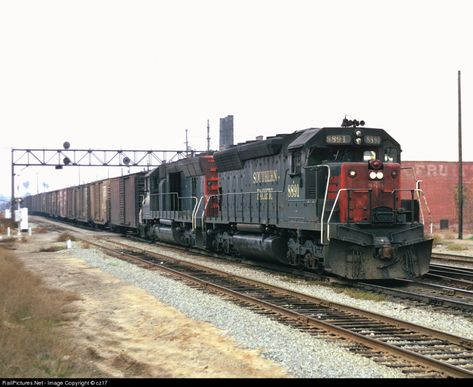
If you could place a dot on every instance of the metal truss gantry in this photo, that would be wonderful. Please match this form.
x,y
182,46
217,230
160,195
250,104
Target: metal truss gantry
x,y
60,158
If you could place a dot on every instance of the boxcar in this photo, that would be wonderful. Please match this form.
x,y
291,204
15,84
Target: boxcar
x,y
99,202
82,204
126,195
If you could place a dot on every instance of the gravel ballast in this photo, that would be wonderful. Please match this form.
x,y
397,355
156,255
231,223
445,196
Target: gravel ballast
x,y
302,354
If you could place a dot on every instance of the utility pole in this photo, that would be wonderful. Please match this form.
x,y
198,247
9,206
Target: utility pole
x,y
12,202
460,162
208,136
187,145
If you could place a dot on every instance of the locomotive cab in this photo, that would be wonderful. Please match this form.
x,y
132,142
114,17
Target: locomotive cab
x,y
369,226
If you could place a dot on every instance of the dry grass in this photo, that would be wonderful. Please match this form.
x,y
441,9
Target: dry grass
x,y
52,249
438,239
63,237
5,223
456,247
30,324
8,243
40,230
7,240
359,293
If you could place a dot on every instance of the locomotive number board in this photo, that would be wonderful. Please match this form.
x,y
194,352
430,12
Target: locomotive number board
x,y
338,139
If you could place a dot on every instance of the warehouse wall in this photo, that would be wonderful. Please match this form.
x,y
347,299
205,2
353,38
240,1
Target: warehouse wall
x,y
439,183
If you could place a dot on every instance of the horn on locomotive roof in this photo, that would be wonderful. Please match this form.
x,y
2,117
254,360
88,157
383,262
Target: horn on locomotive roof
x,y
346,123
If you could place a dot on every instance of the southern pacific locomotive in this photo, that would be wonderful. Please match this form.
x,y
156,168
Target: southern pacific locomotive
x,y
326,199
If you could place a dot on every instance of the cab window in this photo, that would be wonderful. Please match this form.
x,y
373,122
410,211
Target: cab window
x,y
391,155
296,163
369,155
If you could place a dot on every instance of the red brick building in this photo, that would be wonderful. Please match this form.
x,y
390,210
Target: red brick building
x,y
439,183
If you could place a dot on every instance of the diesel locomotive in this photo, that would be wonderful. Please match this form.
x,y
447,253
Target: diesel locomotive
x,y
325,199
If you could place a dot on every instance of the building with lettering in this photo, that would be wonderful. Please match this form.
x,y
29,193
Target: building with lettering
x,y
439,182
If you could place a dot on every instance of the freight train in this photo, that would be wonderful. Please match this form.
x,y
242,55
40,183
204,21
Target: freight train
x,y
324,199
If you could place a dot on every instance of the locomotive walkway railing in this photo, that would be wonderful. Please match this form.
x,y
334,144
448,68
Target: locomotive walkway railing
x,y
176,208
419,193
368,191
235,205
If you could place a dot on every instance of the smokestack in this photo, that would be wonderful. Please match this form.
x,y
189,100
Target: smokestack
x,y
226,132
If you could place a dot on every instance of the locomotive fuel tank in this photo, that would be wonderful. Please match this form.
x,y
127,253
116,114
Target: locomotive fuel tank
x,y
269,248
166,233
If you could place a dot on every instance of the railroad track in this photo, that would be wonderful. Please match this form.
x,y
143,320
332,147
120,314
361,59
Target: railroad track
x,y
454,259
439,288
415,350
444,285
462,276
428,293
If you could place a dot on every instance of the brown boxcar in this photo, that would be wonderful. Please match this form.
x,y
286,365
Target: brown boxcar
x,y
62,203
126,194
99,201
70,203
82,204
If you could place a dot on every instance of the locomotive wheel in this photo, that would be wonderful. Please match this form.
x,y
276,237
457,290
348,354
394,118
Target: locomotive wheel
x,y
292,258
310,261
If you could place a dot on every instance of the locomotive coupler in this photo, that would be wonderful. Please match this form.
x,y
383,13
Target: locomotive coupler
x,y
383,249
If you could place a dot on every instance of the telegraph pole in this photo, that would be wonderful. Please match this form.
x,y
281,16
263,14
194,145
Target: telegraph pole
x,y
208,136
187,145
460,162
12,203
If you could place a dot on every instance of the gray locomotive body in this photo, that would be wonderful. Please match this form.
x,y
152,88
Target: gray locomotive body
x,y
326,199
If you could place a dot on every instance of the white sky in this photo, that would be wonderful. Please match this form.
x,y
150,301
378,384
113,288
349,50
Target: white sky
x,y
136,74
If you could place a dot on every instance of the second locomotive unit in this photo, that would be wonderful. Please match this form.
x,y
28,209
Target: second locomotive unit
x,y
326,199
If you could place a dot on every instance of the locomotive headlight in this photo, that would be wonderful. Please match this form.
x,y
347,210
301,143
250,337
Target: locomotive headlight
x,y
352,173
358,141
358,133
376,175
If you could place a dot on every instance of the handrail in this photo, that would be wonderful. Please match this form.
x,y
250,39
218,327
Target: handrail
x,y
426,206
419,191
179,198
417,182
335,204
323,205
234,194
194,213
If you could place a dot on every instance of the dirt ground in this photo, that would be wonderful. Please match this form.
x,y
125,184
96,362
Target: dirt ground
x,y
448,243
122,331
118,330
